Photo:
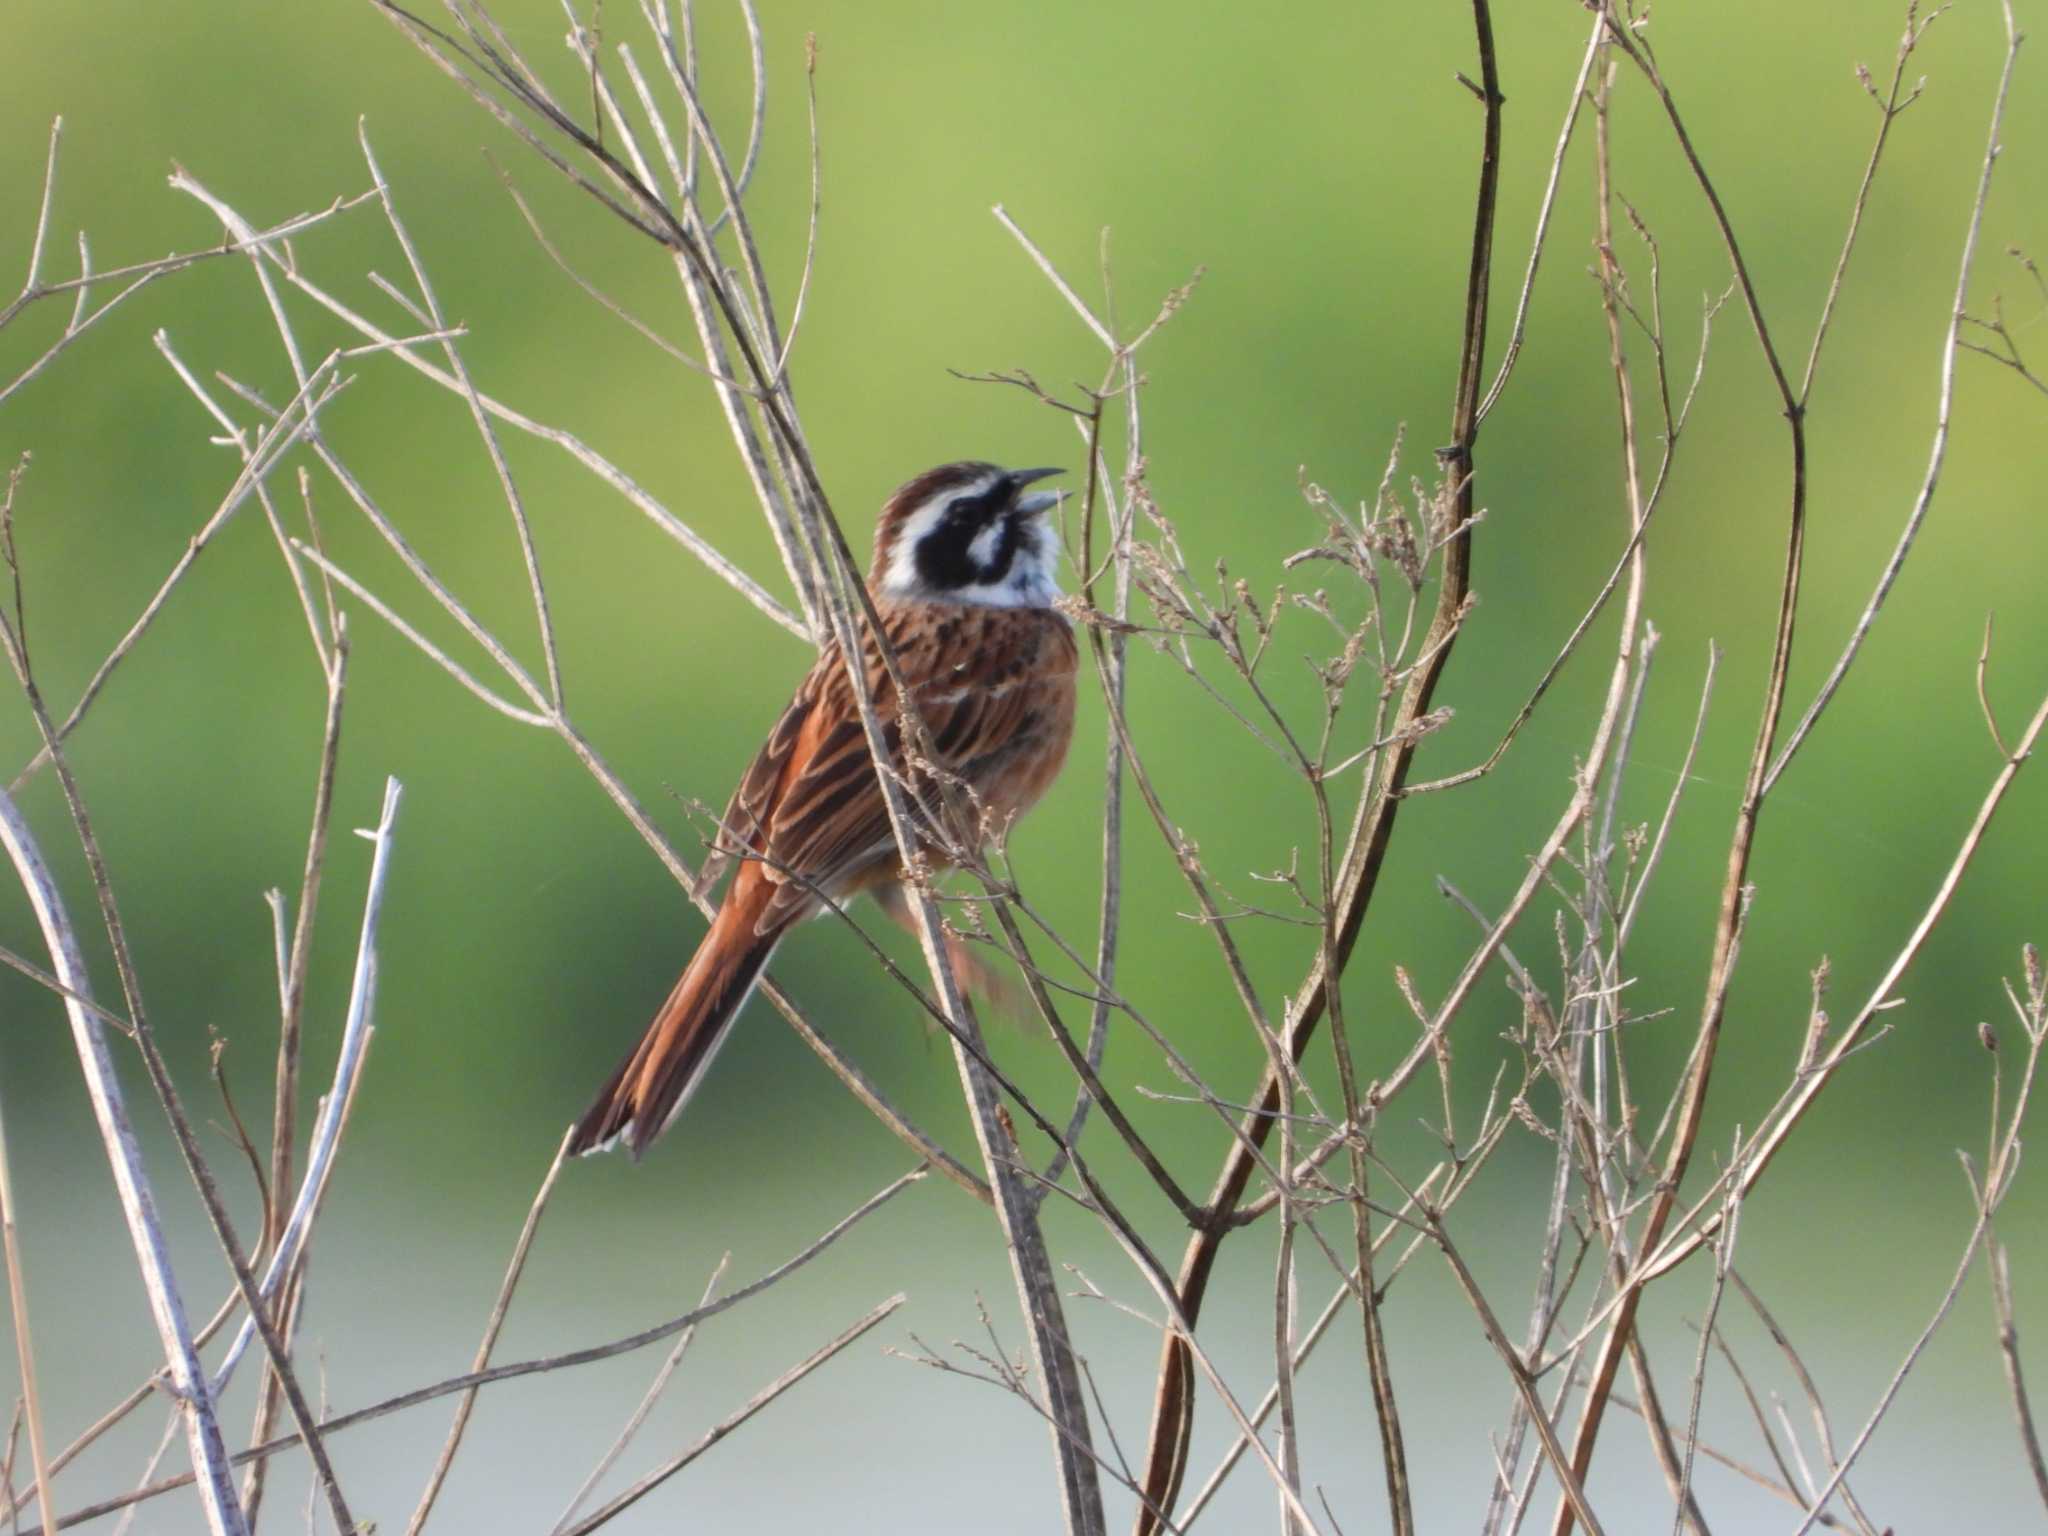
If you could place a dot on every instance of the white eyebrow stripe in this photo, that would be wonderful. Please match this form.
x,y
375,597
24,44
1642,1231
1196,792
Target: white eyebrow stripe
x,y
902,578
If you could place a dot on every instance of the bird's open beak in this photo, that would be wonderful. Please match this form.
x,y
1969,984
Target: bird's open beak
x,y
1037,501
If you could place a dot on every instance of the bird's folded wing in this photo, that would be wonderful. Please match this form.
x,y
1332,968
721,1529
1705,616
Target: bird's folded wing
x,y
811,807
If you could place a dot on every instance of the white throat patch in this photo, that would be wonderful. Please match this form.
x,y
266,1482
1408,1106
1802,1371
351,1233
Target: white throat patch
x,y
1031,582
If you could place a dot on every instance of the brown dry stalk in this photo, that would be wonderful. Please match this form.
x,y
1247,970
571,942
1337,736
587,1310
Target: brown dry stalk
x,y
1371,830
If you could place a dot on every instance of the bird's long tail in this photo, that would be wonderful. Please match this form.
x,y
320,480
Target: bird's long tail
x,y
658,1076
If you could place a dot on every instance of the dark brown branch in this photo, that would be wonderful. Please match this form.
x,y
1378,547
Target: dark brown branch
x,y
1372,827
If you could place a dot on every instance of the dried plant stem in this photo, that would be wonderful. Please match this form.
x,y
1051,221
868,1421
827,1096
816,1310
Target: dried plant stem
x,y
1597,1172
1110,907
1513,351
492,1328
482,421
355,1040
2009,1352
1948,1299
1349,1290
840,584
24,1336
297,962
188,1146
733,1421
641,1410
1518,1372
210,1464
769,466
517,1370
1822,1427
1371,829
1720,974
1724,1256
290,426
1945,402
1700,1223
132,278
292,1006
568,442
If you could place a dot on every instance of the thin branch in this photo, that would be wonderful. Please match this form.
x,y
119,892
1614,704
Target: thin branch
x,y
1720,974
419,641
1823,1428
492,1327
510,489
1945,402
138,1205
1724,1256
292,424
1564,139
1687,1238
568,442
35,249
648,1399
1889,110
1373,823
515,1370
803,282
1891,1391
733,1421
355,1039
2015,1378
31,1403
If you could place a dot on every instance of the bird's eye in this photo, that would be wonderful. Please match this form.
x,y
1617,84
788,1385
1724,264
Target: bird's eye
x,y
973,511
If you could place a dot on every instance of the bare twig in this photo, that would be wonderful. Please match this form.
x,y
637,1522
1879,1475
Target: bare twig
x,y
1924,497
477,415
1373,823
355,1040
645,1406
2015,1378
1724,1256
1720,974
516,1370
30,1408
568,442
1697,1227
733,1421
138,1205
1884,1402
1513,350
492,1326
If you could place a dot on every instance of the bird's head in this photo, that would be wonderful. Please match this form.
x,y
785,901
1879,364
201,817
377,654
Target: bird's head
x,y
968,533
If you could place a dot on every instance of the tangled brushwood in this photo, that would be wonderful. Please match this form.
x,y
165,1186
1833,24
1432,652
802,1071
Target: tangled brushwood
x,y
1373,594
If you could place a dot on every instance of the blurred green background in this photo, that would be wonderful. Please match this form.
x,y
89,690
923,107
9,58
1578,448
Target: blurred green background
x,y
1319,165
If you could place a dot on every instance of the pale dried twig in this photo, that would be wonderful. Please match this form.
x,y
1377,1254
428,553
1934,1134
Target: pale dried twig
x,y
138,1205
517,1370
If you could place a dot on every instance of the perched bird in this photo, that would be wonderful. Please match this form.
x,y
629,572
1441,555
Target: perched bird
x,y
964,582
